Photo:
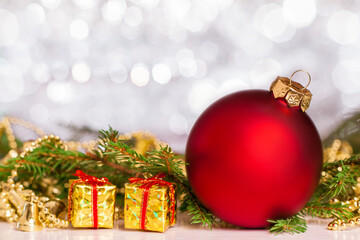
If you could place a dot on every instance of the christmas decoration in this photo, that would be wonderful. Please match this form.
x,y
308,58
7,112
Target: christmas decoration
x,y
91,202
149,204
52,160
46,165
260,151
22,206
29,220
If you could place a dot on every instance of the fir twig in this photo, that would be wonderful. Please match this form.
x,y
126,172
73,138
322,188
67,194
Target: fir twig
x,y
327,210
295,224
352,161
339,180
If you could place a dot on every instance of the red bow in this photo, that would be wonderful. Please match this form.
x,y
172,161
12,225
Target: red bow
x,y
90,179
146,184
94,182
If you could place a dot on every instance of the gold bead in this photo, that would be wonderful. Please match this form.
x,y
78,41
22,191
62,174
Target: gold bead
x,y
64,223
338,221
330,226
13,153
342,225
11,137
40,204
51,217
13,145
20,187
36,199
57,222
335,226
14,173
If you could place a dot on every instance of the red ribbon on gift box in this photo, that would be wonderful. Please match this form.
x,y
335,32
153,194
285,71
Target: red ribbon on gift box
x,y
94,182
146,184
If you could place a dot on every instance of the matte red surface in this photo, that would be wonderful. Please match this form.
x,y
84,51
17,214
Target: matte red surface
x,y
253,158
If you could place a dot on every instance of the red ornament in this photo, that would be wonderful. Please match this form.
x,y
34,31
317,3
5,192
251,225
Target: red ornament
x,y
253,158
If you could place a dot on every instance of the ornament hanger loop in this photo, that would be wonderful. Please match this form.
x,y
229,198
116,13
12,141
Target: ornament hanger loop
x,y
304,72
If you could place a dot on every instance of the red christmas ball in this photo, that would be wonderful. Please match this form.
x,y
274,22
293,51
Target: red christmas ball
x,y
252,158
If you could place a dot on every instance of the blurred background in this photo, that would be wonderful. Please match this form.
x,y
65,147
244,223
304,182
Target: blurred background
x,y
157,64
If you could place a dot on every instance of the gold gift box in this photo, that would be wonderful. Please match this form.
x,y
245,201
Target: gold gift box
x,y
158,212
81,214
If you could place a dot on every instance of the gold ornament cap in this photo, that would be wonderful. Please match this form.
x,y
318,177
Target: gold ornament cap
x,y
294,94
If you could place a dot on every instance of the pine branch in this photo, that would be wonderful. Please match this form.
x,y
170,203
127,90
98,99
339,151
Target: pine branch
x,y
191,204
295,224
327,210
163,160
339,180
354,161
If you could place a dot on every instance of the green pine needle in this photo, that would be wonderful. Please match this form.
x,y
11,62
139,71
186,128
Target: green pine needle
x,y
327,210
295,224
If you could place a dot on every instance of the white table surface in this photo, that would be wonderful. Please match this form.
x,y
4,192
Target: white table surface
x,y
317,230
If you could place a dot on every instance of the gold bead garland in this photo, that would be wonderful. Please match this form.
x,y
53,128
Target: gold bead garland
x,y
12,200
13,196
49,219
144,139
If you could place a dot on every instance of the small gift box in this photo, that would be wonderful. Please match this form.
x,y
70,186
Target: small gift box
x,y
149,204
91,202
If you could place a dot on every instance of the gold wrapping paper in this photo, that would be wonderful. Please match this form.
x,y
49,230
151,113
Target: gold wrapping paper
x,y
81,214
157,213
